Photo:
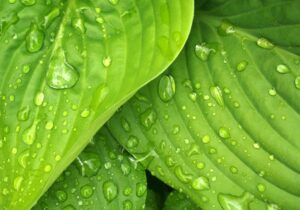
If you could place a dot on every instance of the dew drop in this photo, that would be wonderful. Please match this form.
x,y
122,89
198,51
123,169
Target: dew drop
x,y
200,183
86,191
297,82
203,52
69,207
23,158
127,205
28,2
264,43
242,66
107,61
125,125
132,142
18,182
141,189
224,133
125,168
85,113
272,92
181,175
50,17
226,28
114,2
39,98
110,190
206,139
148,118
49,125
261,188
34,39
216,93
61,75
282,69
166,88
23,114
230,202
29,135
78,24
88,164
61,195
47,168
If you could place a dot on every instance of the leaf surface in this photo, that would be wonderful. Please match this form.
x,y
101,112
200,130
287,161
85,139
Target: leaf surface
x,y
179,201
222,125
103,176
66,66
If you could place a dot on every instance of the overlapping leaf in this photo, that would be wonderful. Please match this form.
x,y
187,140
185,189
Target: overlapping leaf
x,y
222,124
102,177
179,201
66,66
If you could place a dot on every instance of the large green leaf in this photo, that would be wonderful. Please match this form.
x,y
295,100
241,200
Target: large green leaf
x,y
179,201
223,124
103,176
66,66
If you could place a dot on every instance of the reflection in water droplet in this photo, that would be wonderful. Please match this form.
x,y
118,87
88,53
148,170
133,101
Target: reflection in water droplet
x,y
39,98
264,43
85,113
203,52
86,191
110,190
224,133
148,118
107,61
23,158
200,183
297,82
272,92
181,175
216,93
226,28
166,88
231,202
34,39
18,182
242,66
61,75
23,113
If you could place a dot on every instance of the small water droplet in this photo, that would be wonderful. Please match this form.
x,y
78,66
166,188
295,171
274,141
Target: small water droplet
x,y
181,175
242,66
86,191
49,125
85,113
203,51
261,188
29,135
132,142
114,2
69,207
264,43
200,183
206,139
230,202
166,88
141,189
61,75
23,114
78,24
88,164
272,92
127,205
47,168
18,182
34,39
148,118
125,125
226,28
297,82
28,2
224,133
110,190
61,195
125,168
233,170
107,61
39,98
216,93
282,69
48,19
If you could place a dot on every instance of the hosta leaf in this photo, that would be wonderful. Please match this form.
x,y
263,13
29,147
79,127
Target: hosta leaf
x,y
103,176
179,201
223,124
66,66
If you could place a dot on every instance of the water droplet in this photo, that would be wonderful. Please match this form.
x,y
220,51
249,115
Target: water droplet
x,y
261,188
224,133
272,92
230,202
141,189
200,183
181,175
226,28
29,135
193,96
127,205
23,114
114,2
34,39
264,43
125,168
85,113
282,69
18,182
88,164
110,190
166,88
86,191
297,82
273,207
39,98
107,61
206,139
49,125
47,168
233,170
127,191
23,158
61,195
216,93
50,17
61,75
78,24
203,51
125,125
148,118
28,2
69,207
242,66
132,142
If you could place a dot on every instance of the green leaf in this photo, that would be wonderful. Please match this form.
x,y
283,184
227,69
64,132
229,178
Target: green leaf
x,y
229,135
66,66
103,176
179,201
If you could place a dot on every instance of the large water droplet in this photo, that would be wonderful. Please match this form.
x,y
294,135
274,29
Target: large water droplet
x,y
166,88
18,182
141,189
50,17
230,202
34,39
216,93
132,142
28,2
23,158
110,190
203,51
264,43
61,195
88,164
127,205
226,28
297,82
224,133
23,114
61,75
148,118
